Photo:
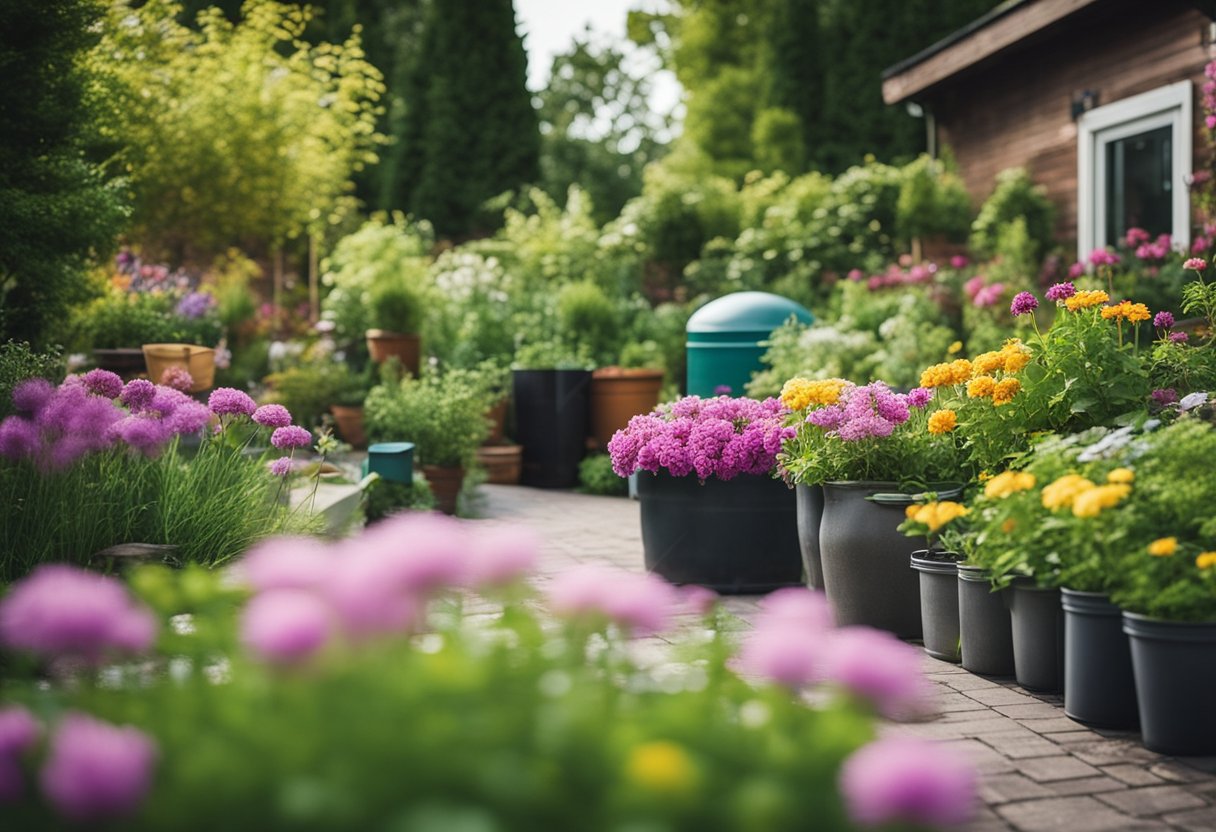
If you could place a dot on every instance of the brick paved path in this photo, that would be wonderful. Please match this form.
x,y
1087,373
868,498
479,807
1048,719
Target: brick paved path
x,y
1041,770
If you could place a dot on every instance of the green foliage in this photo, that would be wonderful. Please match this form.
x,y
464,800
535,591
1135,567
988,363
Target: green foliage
x,y
932,200
385,498
470,131
471,320
19,362
234,133
777,139
551,355
1015,195
595,476
587,319
309,387
815,352
443,415
56,213
130,319
396,307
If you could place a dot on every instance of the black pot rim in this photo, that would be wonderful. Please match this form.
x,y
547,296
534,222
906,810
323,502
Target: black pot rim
x,y
1160,629
1096,604
935,561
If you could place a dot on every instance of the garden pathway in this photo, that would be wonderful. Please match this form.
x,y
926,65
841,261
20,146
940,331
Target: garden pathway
x,y
1041,771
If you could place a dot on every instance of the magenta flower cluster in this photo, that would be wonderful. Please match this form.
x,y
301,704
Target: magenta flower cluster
x,y
896,276
720,437
1059,292
1023,304
1103,257
872,411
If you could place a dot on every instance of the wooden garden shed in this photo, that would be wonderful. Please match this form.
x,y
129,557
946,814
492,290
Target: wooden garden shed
x,y
1100,99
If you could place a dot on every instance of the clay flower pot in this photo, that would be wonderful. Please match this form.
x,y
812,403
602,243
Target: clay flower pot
x,y
503,463
198,361
617,395
350,424
445,485
406,347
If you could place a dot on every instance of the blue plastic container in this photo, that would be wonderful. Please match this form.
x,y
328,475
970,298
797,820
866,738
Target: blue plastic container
x,y
394,461
724,339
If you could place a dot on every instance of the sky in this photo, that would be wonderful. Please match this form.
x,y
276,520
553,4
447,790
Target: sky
x,y
549,26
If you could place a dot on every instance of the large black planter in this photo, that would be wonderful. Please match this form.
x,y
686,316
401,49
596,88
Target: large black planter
x,y
865,558
938,575
1038,636
1175,669
733,536
810,513
983,621
551,422
1099,688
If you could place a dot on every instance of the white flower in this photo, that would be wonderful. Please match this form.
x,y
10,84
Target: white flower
x,y
1191,401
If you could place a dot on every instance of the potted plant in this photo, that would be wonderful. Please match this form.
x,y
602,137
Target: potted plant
x,y
624,390
873,450
349,391
442,416
551,392
713,512
937,568
396,311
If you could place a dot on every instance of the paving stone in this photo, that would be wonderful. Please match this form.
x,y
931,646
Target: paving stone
x,y
1069,737
1037,710
1074,814
1056,725
1153,800
1180,772
1063,767
1112,752
969,682
954,702
1003,788
1133,775
1200,820
1086,785
1001,696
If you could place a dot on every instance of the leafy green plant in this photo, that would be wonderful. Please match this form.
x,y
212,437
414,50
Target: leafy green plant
x,y
595,476
551,355
440,414
587,318
1015,195
385,498
395,307
308,389
18,362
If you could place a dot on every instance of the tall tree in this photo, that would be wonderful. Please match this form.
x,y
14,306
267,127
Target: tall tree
x,y
56,214
470,130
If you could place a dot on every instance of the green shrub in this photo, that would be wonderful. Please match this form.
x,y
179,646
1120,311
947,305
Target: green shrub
x,y
385,498
396,308
1015,195
588,318
595,476
310,387
440,414
19,362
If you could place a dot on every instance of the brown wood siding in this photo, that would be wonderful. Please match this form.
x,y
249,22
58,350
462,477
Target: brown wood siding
x,y
1014,110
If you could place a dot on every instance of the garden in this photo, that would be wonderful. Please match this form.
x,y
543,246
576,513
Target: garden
x,y
288,293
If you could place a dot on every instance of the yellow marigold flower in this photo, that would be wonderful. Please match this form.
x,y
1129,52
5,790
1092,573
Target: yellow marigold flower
x,y
1008,482
661,766
988,363
1062,492
1163,547
1016,355
1086,298
1115,311
984,476
1005,390
794,393
910,512
1009,525
960,370
1091,503
1121,475
955,348
1206,560
936,376
943,421
981,387
1137,312
827,391
937,514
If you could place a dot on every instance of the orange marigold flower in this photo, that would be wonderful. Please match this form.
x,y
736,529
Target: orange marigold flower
x,y
1206,560
1163,547
1091,503
1062,492
1121,475
1086,298
1005,390
988,363
1016,355
981,387
943,421
1008,482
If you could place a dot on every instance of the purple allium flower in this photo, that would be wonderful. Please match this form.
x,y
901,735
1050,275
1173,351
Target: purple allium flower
x,y
65,450
909,781
229,401
195,305
879,667
286,625
292,436
501,555
723,390
138,393
1103,257
1195,263
177,377
1163,396
19,438
988,295
1061,291
187,418
31,395
280,467
167,400
287,563
103,383
1163,320
1023,303
1076,270
95,770
146,434
60,609
920,396
1179,337
272,416
782,654
18,733
640,604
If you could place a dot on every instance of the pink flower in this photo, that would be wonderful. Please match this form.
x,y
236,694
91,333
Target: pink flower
x,y
103,383
1061,291
908,781
1103,257
287,563
697,600
272,416
1179,337
920,397
30,395
797,607
855,275
1076,270
18,733
640,605
1023,304
285,626
1136,236
1163,319
281,467
785,655
292,436
877,666
958,261
19,438
1196,263
230,401
1209,122
95,770
501,555
1200,245
138,393
62,610
974,285
989,295
178,378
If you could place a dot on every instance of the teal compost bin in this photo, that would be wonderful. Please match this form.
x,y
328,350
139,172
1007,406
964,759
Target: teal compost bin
x,y
394,461
724,339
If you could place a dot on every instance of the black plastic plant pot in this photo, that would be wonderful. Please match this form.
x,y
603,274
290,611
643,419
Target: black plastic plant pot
x,y
733,536
551,422
938,573
1175,668
1038,636
810,513
985,631
1099,688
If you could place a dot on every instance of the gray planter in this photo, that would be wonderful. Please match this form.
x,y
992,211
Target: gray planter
x,y
810,513
938,575
865,560
1038,636
1175,669
984,626
1099,688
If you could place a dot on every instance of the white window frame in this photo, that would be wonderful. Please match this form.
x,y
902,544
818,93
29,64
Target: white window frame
x,y
1171,106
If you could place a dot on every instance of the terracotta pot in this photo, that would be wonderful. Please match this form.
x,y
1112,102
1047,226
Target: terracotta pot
x,y
503,463
617,395
128,362
350,424
497,417
445,485
405,347
196,360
